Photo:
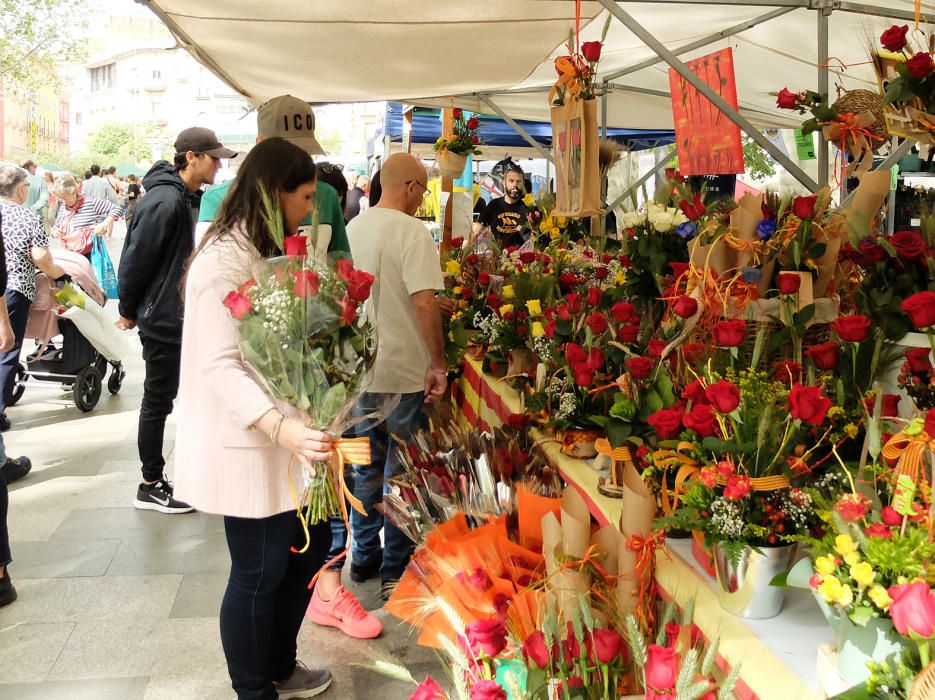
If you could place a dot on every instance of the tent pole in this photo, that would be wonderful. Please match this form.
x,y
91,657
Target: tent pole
x,y
639,183
647,38
891,204
544,152
700,43
823,12
604,91
888,162
875,10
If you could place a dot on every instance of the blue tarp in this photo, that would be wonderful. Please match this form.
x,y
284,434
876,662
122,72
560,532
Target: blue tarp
x,y
427,127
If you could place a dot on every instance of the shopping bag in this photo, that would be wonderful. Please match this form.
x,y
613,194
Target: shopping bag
x,y
575,148
103,268
79,240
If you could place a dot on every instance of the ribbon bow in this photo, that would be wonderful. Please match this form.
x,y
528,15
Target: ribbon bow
x,y
568,78
849,133
645,589
909,449
688,467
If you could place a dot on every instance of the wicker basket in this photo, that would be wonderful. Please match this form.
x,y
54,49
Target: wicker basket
x,y
860,101
450,164
923,687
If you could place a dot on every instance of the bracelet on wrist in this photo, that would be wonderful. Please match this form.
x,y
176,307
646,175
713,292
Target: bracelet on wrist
x,y
274,434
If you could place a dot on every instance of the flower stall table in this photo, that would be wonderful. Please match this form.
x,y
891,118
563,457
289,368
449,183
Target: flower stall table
x,y
777,656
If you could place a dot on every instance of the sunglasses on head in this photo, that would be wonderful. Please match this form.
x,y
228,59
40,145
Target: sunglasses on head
x,y
330,167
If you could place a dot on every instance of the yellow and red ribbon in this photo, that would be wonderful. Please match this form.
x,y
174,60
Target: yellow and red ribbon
x,y
909,450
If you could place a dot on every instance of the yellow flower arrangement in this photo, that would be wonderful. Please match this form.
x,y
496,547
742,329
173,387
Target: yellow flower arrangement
x,y
844,544
863,574
830,588
880,597
851,558
546,224
453,267
508,292
561,222
846,596
825,565
529,200
534,307
555,233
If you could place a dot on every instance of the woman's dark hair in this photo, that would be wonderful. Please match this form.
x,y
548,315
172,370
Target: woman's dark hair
x,y
277,166
334,176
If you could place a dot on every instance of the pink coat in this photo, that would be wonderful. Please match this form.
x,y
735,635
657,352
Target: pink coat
x,y
222,464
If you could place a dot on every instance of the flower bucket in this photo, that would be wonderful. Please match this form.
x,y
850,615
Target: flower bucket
x,y
450,164
579,442
744,586
857,645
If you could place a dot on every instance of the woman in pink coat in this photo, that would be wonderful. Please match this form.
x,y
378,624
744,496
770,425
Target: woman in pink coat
x,y
233,442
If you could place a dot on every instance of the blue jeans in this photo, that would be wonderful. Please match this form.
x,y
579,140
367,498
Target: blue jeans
x,y
17,305
370,482
266,598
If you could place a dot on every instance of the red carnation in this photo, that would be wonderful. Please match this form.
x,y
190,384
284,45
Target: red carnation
x,y
852,507
737,487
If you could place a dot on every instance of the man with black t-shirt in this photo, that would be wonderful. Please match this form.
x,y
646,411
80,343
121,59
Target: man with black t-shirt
x,y
506,215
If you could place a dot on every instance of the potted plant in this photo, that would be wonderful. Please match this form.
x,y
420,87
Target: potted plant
x,y
453,149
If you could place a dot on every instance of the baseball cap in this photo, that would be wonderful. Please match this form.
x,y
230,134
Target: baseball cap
x,y
289,118
202,140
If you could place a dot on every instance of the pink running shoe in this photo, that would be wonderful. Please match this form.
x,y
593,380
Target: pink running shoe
x,y
346,613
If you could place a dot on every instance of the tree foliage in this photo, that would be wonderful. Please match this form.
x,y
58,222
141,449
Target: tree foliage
x,y
40,33
759,164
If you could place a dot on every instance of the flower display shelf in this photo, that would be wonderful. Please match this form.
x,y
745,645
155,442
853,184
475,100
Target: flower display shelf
x,y
777,657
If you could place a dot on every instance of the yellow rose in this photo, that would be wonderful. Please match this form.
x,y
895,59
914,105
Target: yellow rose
x,y
456,291
546,224
529,200
508,292
851,558
453,267
506,309
846,596
537,330
824,565
534,307
880,597
863,574
844,544
829,589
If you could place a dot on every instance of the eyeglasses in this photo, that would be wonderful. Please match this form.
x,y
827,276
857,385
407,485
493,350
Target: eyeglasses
x,y
330,167
425,190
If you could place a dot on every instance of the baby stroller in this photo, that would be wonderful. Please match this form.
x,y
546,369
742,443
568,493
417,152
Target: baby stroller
x,y
77,362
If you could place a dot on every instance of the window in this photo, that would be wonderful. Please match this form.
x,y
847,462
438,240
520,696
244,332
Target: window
x,y
102,77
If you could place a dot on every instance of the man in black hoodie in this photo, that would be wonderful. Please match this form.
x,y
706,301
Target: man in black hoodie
x,y
158,244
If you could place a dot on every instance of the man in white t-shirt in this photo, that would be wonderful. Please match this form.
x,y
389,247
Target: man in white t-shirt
x,y
390,243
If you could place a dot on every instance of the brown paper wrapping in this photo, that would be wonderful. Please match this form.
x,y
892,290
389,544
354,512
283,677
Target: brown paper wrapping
x,y
636,518
861,148
715,257
576,539
744,220
608,539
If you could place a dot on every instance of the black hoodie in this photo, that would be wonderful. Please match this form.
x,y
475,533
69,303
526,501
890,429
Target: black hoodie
x,y
159,242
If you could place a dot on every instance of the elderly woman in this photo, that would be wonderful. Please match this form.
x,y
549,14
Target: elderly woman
x,y
80,217
26,245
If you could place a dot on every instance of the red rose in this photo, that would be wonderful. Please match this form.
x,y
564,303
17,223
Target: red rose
x,y
662,667
909,245
483,278
486,637
878,530
852,507
674,629
457,242
601,273
574,302
695,393
667,423
640,367
678,268
693,352
872,252
348,310
238,304
685,306
596,359
295,246
594,296
591,50
920,65
623,311
702,420
597,323
808,404
456,113
607,646
729,334
343,269
656,347
584,375
737,487
467,292
571,645
563,313
567,279
825,356
428,690
723,395
913,609
471,259
359,284
473,123
695,209
852,329
890,406
628,333
929,427
575,354
894,38
536,651
549,329
306,283
920,308
789,283
804,207
918,360
890,517
528,257
787,371
487,690
786,99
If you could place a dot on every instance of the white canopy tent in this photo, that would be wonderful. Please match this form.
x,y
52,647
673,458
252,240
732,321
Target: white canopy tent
x,y
491,56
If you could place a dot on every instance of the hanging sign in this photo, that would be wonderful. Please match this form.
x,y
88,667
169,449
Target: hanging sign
x,y
805,145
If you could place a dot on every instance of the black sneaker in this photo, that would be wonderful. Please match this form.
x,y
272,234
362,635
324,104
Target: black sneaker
x,y
304,682
5,423
158,496
361,573
15,469
7,592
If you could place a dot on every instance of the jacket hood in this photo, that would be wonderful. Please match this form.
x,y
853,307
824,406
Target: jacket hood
x,y
161,174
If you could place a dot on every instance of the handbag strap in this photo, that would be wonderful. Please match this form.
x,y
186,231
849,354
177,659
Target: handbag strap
x,y
67,224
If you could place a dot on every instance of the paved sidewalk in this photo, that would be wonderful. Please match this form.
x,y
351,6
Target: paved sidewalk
x,y
120,603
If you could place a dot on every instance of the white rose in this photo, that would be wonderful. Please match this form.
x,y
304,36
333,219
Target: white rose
x,y
663,222
631,219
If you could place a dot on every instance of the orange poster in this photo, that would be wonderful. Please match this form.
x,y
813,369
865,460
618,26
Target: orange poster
x,y
708,142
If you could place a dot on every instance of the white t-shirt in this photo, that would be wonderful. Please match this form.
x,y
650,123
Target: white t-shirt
x,y
399,250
